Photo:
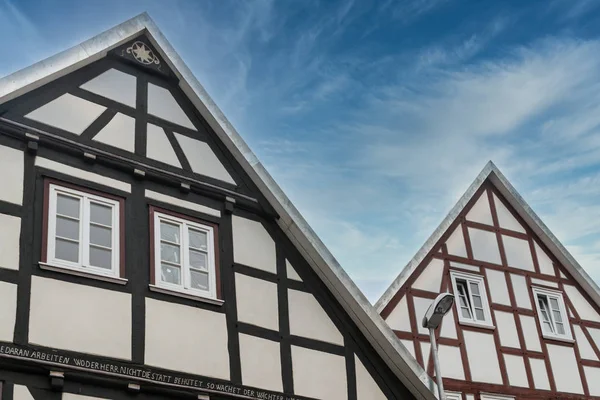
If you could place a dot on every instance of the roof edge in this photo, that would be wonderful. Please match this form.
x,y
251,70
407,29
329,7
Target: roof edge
x,y
66,61
377,332
408,270
523,209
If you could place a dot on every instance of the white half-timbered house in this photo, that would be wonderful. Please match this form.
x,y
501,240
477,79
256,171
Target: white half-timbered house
x,y
145,253
526,321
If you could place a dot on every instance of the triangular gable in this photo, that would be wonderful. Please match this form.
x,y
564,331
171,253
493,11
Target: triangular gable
x,y
492,234
515,216
49,71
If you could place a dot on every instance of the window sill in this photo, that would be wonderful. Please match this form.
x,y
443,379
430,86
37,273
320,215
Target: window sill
x,y
558,339
171,292
90,275
476,325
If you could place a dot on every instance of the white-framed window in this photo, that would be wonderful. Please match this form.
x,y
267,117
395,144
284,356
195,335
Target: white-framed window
x,y
83,231
184,255
491,396
552,313
453,395
471,299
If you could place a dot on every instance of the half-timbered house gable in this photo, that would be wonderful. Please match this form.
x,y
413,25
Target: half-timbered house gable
x,y
129,103
526,320
144,248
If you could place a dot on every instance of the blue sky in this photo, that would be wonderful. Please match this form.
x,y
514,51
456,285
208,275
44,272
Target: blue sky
x,y
375,116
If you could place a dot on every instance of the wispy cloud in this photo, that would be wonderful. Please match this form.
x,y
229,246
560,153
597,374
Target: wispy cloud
x,y
375,116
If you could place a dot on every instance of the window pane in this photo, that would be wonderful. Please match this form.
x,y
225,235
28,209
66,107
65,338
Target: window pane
x,y
198,239
553,303
560,328
169,232
477,301
67,228
170,252
170,274
557,316
67,251
474,288
199,280
198,259
466,313
66,205
101,236
100,257
479,314
101,214
548,327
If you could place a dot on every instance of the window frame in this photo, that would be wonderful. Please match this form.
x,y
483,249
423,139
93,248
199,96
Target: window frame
x,y
480,281
156,284
52,188
558,295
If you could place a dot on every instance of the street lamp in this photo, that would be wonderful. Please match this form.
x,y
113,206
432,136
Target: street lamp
x,y
431,320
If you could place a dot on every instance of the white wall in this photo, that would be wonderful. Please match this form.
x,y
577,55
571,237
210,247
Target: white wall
x,y
505,219
485,246
585,348
451,362
483,358
480,212
521,291
592,376
12,184
252,245
59,113
115,85
540,373
257,302
448,328
319,375
564,369
366,387
456,243
545,263
10,232
186,339
507,329
530,333
518,253
515,369
158,146
308,319
162,104
81,318
261,363
119,133
498,288
21,392
582,306
8,310
291,272
421,305
399,318
430,279
202,159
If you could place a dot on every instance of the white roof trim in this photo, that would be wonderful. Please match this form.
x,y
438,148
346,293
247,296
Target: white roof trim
x,y
523,209
377,332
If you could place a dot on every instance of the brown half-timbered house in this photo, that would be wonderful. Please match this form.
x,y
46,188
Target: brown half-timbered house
x,y
145,253
526,321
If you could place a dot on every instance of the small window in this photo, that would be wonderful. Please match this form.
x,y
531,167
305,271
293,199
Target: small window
x,y
551,314
471,299
184,254
83,231
453,396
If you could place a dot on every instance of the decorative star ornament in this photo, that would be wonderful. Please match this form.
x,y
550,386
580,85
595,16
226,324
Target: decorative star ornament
x,y
142,53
